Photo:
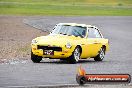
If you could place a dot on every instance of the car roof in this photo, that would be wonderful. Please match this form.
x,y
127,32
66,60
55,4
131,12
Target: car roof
x,y
76,24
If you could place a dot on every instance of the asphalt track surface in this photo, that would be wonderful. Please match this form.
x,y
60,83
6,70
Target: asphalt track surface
x,y
54,72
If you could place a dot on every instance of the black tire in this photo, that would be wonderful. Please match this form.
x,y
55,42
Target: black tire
x,y
81,80
35,58
100,56
75,56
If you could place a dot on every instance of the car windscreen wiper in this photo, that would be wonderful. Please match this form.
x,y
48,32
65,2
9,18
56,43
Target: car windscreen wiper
x,y
63,33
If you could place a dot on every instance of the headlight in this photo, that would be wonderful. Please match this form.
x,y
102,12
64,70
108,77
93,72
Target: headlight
x,y
68,45
34,41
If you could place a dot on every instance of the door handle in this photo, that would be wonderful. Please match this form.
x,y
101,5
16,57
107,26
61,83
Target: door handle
x,y
96,43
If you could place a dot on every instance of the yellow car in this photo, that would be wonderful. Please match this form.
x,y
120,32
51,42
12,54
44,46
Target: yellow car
x,y
71,42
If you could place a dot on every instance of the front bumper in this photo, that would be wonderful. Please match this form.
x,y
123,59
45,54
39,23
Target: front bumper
x,y
65,53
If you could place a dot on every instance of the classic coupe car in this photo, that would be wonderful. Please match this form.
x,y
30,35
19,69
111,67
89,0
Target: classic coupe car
x,y
71,42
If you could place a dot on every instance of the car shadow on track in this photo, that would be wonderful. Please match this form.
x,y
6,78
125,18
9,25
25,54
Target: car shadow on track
x,y
65,62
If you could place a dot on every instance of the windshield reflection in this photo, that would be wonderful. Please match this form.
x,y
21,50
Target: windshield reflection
x,y
70,30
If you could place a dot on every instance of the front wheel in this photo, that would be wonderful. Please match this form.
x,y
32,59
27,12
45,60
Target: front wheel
x,y
74,58
101,55
35,58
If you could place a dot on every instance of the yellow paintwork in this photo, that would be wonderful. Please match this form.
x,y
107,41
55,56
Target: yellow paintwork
x,y
90,46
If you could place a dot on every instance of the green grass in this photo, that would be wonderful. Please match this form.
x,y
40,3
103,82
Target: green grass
x,y
67,7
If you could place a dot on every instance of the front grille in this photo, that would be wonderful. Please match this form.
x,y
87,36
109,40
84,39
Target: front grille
x,y
54,48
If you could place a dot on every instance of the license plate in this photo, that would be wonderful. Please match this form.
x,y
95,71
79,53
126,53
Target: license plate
x,y
48,52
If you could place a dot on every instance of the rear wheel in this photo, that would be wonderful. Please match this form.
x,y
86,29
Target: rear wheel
x,y
101,55
75,56
35,58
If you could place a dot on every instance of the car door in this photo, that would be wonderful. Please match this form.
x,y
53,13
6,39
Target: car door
x,y
93,44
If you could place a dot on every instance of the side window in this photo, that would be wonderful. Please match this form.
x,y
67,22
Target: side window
x,y
93,33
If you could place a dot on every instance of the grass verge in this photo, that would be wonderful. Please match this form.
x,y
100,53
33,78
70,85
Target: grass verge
x,y
66,7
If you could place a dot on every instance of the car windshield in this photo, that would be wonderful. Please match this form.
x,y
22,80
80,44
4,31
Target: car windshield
x,y
70,30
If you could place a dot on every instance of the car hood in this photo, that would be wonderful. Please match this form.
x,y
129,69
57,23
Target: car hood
x,y
57,40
